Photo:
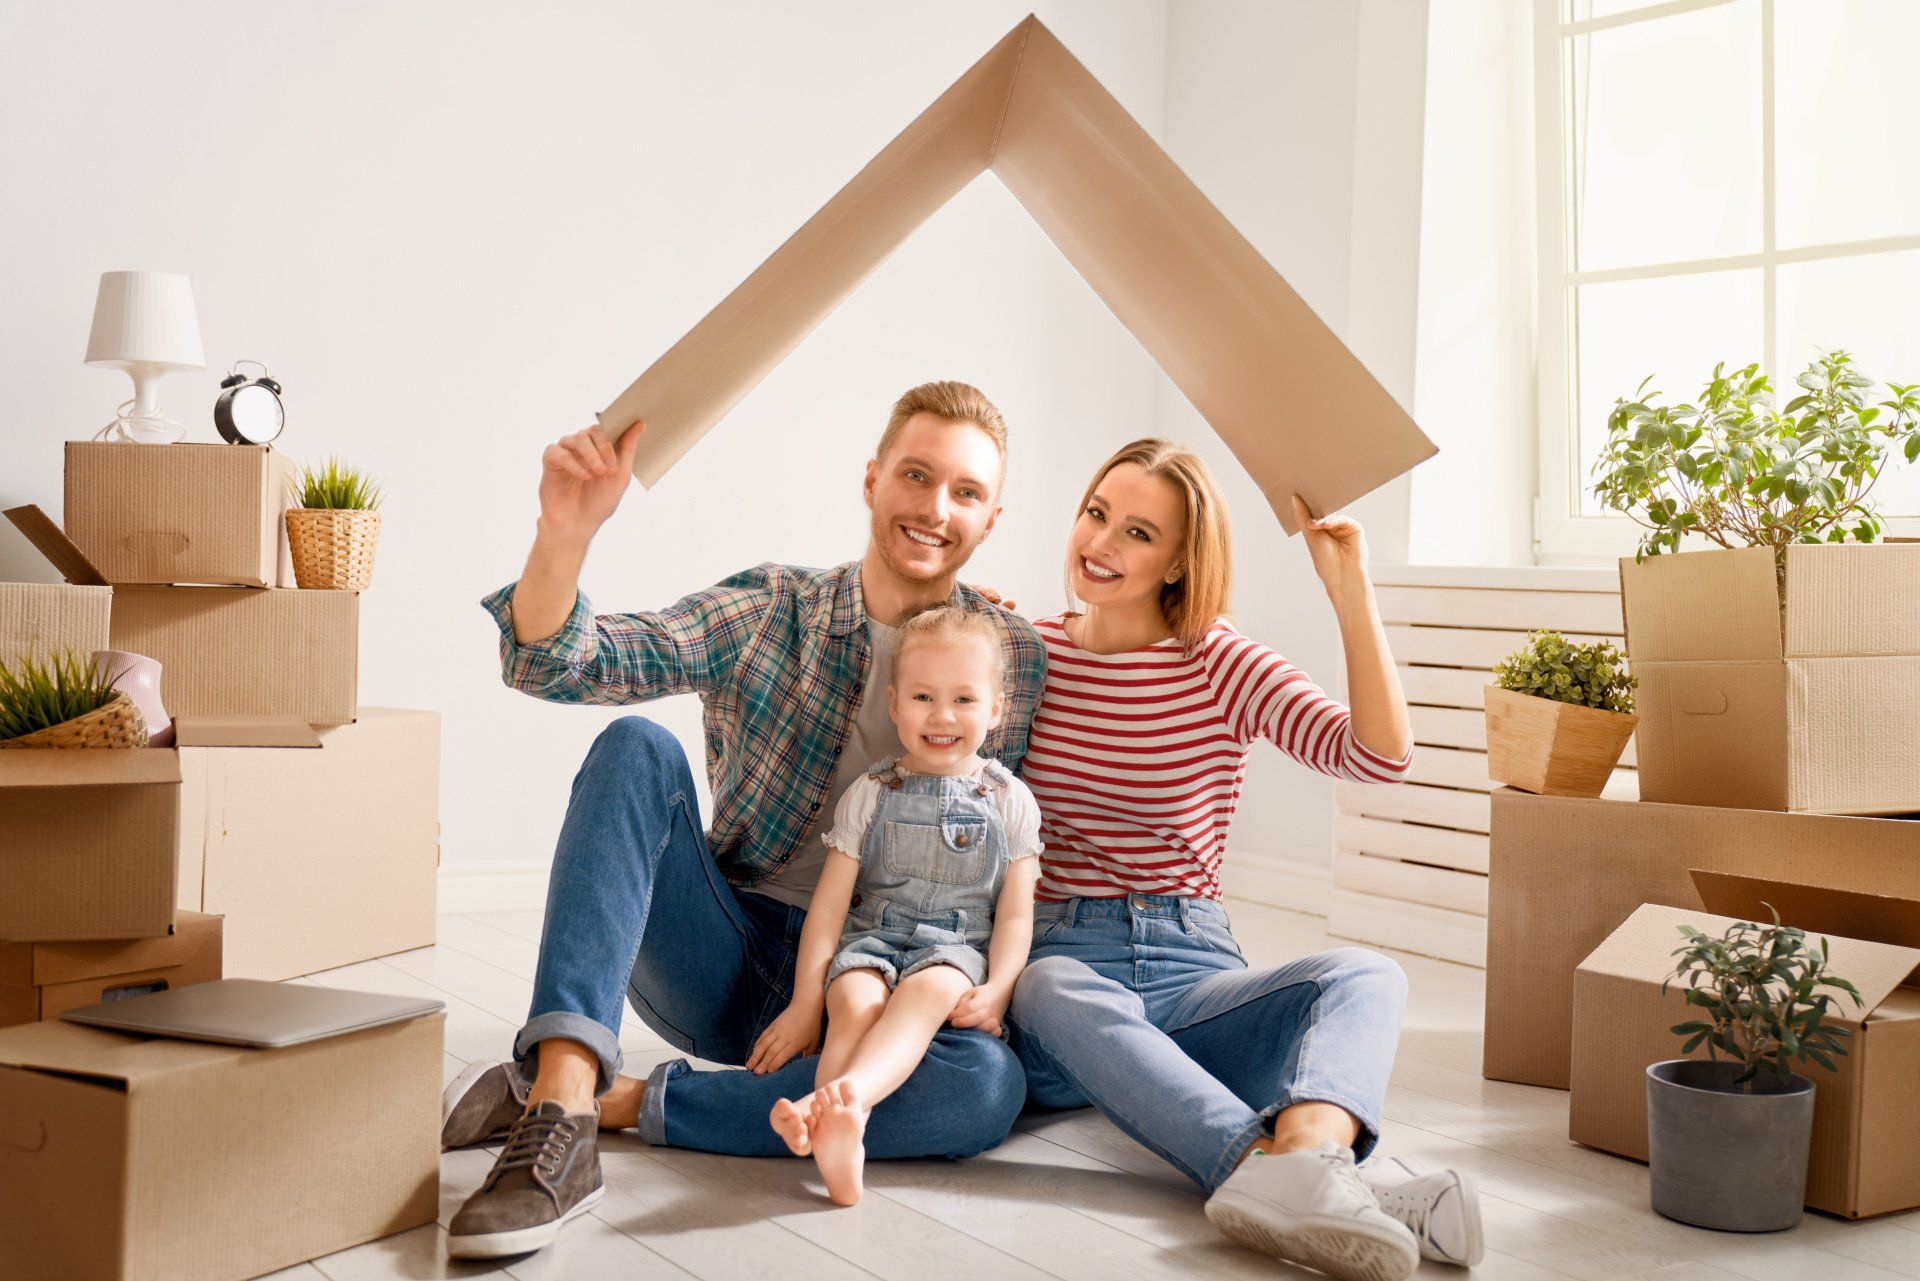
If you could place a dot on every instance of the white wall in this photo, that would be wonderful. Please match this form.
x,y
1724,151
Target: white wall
x,y
455,230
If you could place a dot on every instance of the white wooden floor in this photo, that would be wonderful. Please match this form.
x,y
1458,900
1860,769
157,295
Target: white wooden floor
x,y
1068,1196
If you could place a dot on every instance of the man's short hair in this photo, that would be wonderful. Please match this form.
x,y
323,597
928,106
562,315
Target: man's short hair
x,y
957,402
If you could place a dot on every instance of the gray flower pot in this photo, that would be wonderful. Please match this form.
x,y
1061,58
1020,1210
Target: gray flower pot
x,y
1723,1158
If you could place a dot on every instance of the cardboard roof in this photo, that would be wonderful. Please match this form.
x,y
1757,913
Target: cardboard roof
x,y
1297,408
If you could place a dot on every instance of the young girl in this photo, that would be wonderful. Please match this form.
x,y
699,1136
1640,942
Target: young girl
x,y
933,859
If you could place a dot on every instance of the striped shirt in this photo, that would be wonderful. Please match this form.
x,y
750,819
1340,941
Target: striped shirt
x,y
778,655
1138,758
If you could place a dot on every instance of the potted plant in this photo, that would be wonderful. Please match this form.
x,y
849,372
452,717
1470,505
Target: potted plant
x,y
1727,1139
1559,714
68,701
333,524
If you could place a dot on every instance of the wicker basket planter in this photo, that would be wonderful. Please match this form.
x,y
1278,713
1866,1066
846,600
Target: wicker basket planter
x,y
115,723
332,547
1552,748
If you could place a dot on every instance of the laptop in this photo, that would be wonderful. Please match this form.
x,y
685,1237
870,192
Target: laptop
x,y
252,1012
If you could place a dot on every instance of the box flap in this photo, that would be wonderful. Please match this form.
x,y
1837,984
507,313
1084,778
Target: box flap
x,y
1848,599
1641,948
87,766
243,731
1713,606
1817,909
55,546
70,1048
1219,320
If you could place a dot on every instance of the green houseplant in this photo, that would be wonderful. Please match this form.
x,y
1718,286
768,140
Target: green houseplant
x,y
1728,1137
65,701
1559,714
333,526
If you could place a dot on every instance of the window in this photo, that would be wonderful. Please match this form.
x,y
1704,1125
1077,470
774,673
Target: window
x,y
1720,180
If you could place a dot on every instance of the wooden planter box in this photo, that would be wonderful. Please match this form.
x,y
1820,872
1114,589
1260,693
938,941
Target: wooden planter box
x,y
1551,748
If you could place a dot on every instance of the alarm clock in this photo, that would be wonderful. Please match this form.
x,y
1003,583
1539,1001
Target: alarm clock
x,y
248,411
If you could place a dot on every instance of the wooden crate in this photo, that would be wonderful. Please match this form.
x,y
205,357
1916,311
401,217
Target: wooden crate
x,y
1410,861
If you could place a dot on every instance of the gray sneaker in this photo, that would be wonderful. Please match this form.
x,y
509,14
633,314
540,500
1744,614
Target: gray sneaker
x,y
480,1106
548,1172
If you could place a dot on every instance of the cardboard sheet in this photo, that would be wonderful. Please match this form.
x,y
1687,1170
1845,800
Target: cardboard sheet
x,y
1298,409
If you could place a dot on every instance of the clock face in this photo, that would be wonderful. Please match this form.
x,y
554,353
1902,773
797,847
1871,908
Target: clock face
x,y
256,414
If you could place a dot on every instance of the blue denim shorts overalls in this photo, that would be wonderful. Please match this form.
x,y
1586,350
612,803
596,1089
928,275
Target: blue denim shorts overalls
x,y
931,867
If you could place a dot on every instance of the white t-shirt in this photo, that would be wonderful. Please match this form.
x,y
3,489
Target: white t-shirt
x,y
871,737
1019,816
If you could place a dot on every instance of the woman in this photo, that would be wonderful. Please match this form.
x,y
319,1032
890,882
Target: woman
x,y
1137,1000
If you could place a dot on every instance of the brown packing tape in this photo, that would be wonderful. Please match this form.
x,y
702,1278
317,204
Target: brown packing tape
x,y
1297,408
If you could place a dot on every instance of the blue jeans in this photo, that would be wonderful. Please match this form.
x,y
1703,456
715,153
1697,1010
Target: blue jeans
x,y
1144,1008
637,908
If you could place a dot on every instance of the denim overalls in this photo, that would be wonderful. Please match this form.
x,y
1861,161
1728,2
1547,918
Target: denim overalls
x,y
931,867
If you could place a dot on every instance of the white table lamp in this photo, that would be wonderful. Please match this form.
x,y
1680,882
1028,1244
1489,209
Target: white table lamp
x,y
144,322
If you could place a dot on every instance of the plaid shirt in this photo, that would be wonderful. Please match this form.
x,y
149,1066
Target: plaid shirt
x,y
778,655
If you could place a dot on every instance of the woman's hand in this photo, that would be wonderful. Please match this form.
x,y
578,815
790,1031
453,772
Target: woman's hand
x,y
982,1007
1339,549
795,1032
582,478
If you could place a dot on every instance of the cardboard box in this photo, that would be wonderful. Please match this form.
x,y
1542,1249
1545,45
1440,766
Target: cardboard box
x,y
1563,872
183,513
1744,703
45,618
89,839
317,859
1865,1157
238,651
124,1157
1232,335
44,980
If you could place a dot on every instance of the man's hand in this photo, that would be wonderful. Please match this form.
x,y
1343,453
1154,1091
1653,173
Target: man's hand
x,y
982,1007
582,478
795,1032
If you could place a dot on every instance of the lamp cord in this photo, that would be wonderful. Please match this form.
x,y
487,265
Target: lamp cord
x,y
149,429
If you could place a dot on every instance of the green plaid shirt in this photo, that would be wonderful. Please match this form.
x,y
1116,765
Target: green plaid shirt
x,y
778,655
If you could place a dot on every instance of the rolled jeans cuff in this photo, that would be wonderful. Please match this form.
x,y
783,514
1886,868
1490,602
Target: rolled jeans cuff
x,y
653,1101
574,1027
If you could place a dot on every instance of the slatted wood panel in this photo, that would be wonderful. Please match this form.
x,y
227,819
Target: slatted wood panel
x,y
1410,862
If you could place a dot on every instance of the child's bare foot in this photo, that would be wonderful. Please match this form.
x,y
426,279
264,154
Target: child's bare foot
x,y
839,1147
792,1119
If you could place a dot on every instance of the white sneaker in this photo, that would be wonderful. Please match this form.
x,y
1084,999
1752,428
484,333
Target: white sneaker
x,y
1312,1207
1442,1210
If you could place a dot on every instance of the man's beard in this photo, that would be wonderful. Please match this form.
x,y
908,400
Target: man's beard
x,y
882,533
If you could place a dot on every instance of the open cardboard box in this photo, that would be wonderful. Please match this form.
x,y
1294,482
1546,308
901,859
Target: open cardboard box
x,y
1563,872
227,651
134,1157
1746,703
181,513
1297,408
317,859
43,619
1865,1157
44,980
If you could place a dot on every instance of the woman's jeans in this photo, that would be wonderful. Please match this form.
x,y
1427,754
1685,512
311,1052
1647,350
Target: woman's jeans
x,y
1144,1007
637,908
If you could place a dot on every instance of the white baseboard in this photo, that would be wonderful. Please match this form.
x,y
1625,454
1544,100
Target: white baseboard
x,y
1279,882
503,885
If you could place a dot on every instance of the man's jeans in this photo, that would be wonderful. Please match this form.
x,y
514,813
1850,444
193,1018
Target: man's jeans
x,y
1144,1007
636,907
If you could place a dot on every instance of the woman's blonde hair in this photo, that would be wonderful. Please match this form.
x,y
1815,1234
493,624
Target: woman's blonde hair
x,y
1204,559
946,621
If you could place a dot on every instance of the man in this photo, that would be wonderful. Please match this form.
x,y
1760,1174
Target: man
x,y
792,667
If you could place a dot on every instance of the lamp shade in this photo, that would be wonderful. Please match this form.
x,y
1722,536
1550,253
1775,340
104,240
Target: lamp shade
x,y
145,318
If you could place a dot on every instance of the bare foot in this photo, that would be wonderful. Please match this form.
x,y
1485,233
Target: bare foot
x,y
838,1141
792,1120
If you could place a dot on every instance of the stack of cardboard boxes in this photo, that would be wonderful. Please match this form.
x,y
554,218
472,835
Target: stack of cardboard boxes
x,y
1779,755
288,830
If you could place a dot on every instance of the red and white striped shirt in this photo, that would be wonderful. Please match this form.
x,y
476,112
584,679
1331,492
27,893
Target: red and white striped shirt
x,y
1138,758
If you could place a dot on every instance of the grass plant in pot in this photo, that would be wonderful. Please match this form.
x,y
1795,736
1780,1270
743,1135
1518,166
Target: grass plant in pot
x,y
333,526
1727,1139
1559,715
67,701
